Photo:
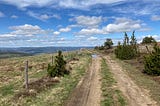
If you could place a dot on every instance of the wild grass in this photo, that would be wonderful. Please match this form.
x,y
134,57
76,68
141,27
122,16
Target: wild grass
x,y
111,95
54,95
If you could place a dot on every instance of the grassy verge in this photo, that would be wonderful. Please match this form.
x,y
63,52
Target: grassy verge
x,y
111,95
141,79
52,96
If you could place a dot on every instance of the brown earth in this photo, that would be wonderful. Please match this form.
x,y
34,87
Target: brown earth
x,y
37,87
135,95
88,90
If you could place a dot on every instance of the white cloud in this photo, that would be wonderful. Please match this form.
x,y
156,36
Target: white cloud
x,y
123,25
35,15
155,18
136,11
138,8
25,27
120,25
27,30
1,14
82,4
7,35
92,31
43,17
92,38
27,3
14,16
88,21
67,29
56,33
56,16
62,39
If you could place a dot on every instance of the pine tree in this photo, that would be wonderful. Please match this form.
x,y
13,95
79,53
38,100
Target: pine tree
x,y
127,50
133,39
58,68
126,39
152,62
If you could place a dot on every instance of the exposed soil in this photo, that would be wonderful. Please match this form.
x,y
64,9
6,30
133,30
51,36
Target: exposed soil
x,y
37,86
137,62
88,90
135,95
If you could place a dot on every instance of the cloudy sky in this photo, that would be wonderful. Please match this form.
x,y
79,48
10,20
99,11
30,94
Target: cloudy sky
x,y
26,23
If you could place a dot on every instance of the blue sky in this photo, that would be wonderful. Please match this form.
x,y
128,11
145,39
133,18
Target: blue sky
x,y
37,23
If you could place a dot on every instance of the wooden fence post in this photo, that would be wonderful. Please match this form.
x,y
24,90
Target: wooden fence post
x,y
26,75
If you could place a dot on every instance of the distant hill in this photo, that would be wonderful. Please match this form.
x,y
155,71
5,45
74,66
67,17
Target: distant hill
x,y
25,51
5,54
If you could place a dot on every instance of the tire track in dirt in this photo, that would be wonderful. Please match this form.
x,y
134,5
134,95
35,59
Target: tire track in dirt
x,y
88,90
135,95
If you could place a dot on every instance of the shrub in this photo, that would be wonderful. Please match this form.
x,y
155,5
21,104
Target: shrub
x,y
147,40
127,50
152,62
108,43
58,68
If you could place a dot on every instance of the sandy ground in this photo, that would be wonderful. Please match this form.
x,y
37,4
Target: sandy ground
x,y
135,95
88,90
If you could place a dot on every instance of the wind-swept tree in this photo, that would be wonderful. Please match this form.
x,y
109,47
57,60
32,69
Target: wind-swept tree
x,y
108,43
148,40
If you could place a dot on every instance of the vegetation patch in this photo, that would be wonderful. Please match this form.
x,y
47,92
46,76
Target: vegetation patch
x,y
6,90
37,87
152,62
111,95
128,49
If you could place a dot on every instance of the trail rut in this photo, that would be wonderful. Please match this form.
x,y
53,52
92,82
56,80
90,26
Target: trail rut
x,y
88,90
135,95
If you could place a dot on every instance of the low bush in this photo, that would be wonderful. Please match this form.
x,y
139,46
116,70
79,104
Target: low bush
x,y
125,52
152,62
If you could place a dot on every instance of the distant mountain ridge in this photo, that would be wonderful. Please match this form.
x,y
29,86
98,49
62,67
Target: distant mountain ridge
x,y
39,50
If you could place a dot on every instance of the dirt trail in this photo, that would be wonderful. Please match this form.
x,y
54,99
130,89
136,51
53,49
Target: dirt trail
x,y
135,95
88,90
